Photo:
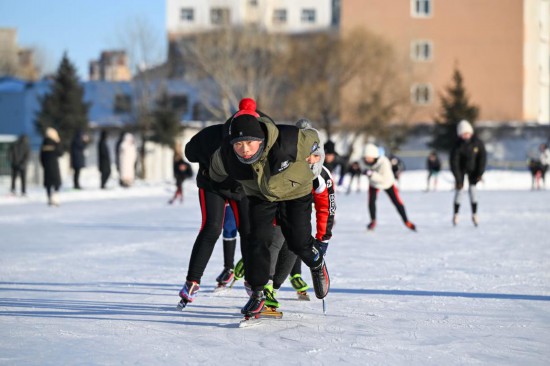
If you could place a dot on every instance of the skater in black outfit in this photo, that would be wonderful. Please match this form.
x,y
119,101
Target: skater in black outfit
x,y
381,176
213,196
18,155
182,171
272,162
433,165
104,159
468,157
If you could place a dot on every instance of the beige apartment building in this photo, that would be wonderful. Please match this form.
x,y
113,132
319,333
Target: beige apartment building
x,y
501,48
111,66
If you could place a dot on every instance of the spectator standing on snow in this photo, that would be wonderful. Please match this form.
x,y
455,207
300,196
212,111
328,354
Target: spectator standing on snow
x,y
78,161
103,158
468,158
544,161
433,165
381,177
18,155
50,151
127,160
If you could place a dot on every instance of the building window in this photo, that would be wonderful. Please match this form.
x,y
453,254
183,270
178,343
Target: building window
x,y
421,8
123,103
421,94
219,16
187,14
308,15
279,16
421,50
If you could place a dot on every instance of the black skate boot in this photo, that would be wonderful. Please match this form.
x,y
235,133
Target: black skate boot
x,y
254,305
225,278
321,280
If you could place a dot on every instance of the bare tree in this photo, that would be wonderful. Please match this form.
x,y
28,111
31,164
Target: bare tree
x,y
376,102
138,39
319,67
234,62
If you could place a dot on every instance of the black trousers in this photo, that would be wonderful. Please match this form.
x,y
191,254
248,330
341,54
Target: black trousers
x,y
105,177
294,217
22,173
76,177
393,193
213,211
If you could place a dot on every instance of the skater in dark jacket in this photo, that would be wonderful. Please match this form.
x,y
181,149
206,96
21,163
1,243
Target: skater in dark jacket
x,y
50,151
78,144
103,158
272,162
468,158
433,165
213,196
18,155
182,171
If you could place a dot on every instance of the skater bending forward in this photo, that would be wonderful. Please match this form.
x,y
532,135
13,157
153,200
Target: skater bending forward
x,y
468,157
272,162
379,171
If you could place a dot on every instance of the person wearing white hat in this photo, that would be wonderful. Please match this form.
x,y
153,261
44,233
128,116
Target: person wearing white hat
x,y
380,173
468,157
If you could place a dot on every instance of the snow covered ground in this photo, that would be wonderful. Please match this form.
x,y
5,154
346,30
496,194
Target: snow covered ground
x,y
95,281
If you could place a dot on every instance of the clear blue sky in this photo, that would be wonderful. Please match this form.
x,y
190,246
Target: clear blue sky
x,y
83,28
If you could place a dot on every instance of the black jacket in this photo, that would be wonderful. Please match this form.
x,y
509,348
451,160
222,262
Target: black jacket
x,y
77,151
49,154
199,150
433,165
19,152
179,174
468,157
103,156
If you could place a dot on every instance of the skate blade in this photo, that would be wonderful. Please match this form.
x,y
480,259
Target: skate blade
x,y
181,305
220,289
303,296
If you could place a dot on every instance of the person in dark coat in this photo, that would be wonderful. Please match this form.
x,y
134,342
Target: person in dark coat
x,y
50,151
433,165
18,156
468,157
333,160
78,144
182,171
103,158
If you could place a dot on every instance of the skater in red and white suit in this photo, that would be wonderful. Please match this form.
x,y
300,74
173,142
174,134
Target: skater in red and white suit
x,y
379,171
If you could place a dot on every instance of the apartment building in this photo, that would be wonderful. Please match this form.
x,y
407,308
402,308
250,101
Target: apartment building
x,y
288,16
501,48
111,66
15,60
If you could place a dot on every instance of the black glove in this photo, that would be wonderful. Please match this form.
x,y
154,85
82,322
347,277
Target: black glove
x,y
323,246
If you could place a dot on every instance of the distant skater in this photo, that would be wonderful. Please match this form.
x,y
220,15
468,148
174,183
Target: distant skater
x,y
468,157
